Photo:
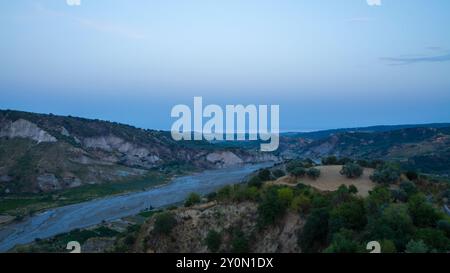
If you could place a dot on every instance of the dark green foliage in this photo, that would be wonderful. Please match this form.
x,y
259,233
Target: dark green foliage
x,y
399,195
330,160
313,173
213,240
412,175
409,187
378,199
255,181
278,173
240,242
348,215
422,213
314,234
386,174
352,170
444,225
265,175
343,242
164,223
192,199
298,172
435,239
416,247
352,189
271,208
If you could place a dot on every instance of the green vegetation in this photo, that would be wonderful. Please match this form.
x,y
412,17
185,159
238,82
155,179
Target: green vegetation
x,y
192,199
386,174
352,170
213,240
164,223
313,173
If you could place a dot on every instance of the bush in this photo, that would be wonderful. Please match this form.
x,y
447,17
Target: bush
x,y
348,215
422,213
264,175
330,160
314,233
412,175
271,208
351,170
352,189
343,242
385,174
409,187
387,246
164,223
301,203
313,173
192,199
434,238
240,242
278,173
298,172
285,195
416,247
255,181
213,240
444,225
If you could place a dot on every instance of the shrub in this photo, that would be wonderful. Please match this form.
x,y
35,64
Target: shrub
x,y
313,173
416,247
330,160
314,233
213,240
343,242
387,246
285,195
278,173
271,208
385,174
192,199
422,213
164,223
434,238
264,175
301,203
444,225
409,187
352,189
351,170
239,243
298,172
348,215
412,175
255,181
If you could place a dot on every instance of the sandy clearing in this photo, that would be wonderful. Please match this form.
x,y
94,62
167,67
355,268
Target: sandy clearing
x,y
330,179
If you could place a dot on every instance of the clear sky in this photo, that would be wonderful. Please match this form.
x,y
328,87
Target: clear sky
x,y
327,63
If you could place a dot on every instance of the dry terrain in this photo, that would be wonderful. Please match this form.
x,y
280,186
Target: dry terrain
x,y
330,179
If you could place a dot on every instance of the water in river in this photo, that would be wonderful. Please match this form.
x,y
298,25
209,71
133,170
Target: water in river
x,y
67,218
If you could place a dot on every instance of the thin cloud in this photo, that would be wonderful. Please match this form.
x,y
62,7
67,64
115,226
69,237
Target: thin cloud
x,y
96,25
414,59
374,2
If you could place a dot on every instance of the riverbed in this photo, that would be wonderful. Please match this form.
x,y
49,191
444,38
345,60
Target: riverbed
x,y
64,219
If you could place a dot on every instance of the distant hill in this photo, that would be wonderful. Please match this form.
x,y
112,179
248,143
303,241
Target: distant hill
x,y
316,135
42,153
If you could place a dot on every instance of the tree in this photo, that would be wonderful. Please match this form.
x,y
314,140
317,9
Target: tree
x,y
271,208
313,173
387,246
348,215
278,173
255,181
240,242
352,189
422,213
434,238
330,160
213,240
412,175
377,200
285,195
409,187
164,223
351,170
314,233
343,242
301,203
298,172
416,247
192,199
265,175
444,225
386,174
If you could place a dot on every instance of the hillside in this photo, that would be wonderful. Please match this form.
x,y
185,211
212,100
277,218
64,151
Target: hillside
x,y
44,153
424,149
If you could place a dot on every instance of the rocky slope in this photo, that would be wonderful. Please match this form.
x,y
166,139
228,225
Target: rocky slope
x,y
42,153
193,225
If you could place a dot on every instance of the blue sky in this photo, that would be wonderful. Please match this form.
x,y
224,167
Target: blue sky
x,y
327,63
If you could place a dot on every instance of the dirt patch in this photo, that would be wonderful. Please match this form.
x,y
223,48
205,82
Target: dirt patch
x,y
330,179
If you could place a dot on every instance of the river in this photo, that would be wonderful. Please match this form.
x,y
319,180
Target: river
x,y
64,219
